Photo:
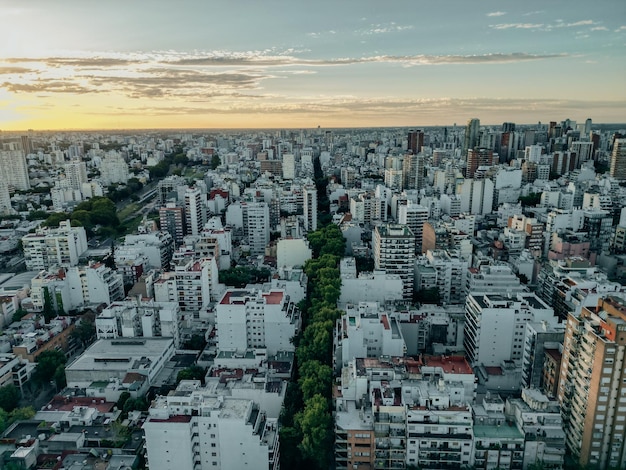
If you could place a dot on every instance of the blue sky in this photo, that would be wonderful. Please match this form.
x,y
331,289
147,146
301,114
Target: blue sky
x,y
147,64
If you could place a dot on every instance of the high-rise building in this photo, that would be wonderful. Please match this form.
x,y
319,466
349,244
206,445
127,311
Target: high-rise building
x,y
195,211
257,226
192,284
172,220
289,166
75,174
49,247
13,168
113,169
472,135
592,384
394,251
414,216
618,159
5,198
195,429
495,326
413,171
415,141
479,157
250,319
310,208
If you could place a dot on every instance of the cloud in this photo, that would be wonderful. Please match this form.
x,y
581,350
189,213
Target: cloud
x,y
559,23
599,28
621,28
14,70
87,62
496,13
576,24
236,76
78,62
384,28
160,83
419,59
516,26
48,86
379,108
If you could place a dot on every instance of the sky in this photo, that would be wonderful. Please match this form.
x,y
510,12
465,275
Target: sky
x,y
133,64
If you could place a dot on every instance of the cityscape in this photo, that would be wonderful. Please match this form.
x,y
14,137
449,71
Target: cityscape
x,y
313,235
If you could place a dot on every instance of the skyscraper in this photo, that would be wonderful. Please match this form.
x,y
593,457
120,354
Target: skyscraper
x,y
415,141
413,171
310,208
618,159
592,384
472,134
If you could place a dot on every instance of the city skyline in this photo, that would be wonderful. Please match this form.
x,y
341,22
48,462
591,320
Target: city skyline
x,y
276,64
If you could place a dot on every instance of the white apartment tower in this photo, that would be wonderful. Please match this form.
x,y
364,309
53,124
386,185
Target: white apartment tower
x,y
75,174
414,216
495,326
13,168
257,226
289,166
113,169
193,429
249,319
49,247
5,198
394,252
195,212
310,208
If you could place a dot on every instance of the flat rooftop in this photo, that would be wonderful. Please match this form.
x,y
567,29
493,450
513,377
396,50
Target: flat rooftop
x,y
450,364
122,354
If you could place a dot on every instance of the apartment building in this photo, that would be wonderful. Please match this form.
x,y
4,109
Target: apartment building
x,y
394,252
592,383
193,429
49,246
251,319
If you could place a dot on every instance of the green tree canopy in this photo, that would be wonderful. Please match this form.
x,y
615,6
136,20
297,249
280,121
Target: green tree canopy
x,y
316,424
316,344
47,364
9,397
194,372
315,379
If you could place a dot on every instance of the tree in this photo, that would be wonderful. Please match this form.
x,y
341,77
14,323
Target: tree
x,y
317,431
47,364
85,330
196,343
21,414
315,379
428,296
290,438
124,396
48,308
19,314
215,162
316,342
9,397
531,200
191,373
